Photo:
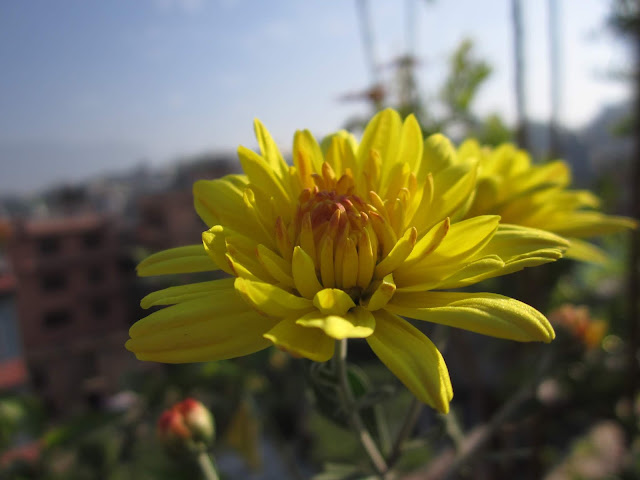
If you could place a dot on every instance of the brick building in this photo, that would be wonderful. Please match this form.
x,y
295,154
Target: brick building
x,y
73,296
168,219
13,374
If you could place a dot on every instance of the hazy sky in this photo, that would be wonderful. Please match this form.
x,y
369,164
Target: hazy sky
x,y
88,86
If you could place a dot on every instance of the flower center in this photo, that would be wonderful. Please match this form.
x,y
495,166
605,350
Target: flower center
x,y
334,227
330,211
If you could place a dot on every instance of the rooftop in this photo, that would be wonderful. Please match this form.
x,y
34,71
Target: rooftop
x,y
62,225
13,373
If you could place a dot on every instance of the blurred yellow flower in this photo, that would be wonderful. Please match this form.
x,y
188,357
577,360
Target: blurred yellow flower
x,y
537,196
341,245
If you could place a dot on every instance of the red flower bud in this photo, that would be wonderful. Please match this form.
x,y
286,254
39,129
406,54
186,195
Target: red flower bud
x,y
197,419
186,425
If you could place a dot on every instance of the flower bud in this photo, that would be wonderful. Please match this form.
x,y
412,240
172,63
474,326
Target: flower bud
x,y
188,425
577,321
197,419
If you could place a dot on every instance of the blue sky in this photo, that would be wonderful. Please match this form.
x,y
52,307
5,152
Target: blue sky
x,y
92,86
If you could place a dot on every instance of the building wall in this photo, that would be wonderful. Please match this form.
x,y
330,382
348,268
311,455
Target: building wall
x,y
9,339
72,289
168,220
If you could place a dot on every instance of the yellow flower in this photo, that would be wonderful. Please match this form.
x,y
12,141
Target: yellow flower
x,y
537,196
341,245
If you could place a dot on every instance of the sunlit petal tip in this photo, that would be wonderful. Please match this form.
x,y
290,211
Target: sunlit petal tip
x,y
413,358
188,259
304,273
333,301
357,323
206,328
586,252
382,293
311,343
183,293
484,313
270,300
400,251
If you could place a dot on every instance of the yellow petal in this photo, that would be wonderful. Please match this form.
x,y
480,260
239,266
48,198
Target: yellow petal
x,y
304,273
366,260
429,242
464,239
192,258
215,246
452,188
413,358
512,240
539,258
555,173
357,323
333,156
223,300
411,143
269,150
397,255
307,156
486,197
206,194
261,175
420,203
214,327
260,208
242,263
386,236
210,195
469,149
239,270
222,202
382,134
473,272
504,160
332,301
307,242
587,224
326,262
438,154
271,300
587,252
382,293
276,266
341,152
350,264
521,247
183,293
394,180
204,339
485,313
311,343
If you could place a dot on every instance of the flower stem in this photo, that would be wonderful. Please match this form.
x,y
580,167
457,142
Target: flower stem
x,y
349,404
409,422
206,466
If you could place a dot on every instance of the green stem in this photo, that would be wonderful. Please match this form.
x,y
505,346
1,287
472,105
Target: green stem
x,y
407,427
206,466
349,404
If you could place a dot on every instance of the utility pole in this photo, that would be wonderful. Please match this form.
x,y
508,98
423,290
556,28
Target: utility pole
x,y
555,69
519,74
369,50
